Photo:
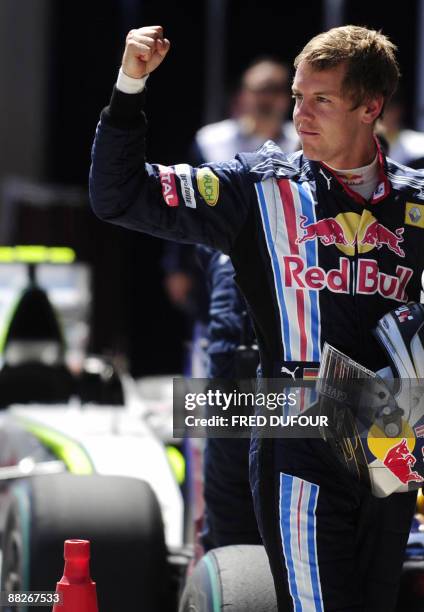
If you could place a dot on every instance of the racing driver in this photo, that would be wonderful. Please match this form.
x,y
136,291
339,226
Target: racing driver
x,y
324,243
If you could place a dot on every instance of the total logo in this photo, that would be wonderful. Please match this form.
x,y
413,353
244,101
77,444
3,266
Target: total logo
x,y
169,187
348,231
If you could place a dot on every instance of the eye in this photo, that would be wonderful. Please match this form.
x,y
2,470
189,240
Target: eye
x,y
322,99
296,96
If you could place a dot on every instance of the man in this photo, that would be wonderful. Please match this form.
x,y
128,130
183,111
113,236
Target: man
x,y
324,242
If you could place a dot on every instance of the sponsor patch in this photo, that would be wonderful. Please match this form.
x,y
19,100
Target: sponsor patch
x,y
419,431
169,187
208,185
184,174
403,314
379,192
414,214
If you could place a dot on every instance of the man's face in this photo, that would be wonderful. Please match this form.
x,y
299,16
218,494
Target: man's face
x,y
329,128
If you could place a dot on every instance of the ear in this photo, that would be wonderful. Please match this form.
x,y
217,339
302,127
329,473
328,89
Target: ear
x,y
372,109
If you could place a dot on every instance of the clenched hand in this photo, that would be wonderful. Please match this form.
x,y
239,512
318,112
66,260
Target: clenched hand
x,y
145,49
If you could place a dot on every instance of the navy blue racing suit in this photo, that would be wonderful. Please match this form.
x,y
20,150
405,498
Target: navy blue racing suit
x,y
316,263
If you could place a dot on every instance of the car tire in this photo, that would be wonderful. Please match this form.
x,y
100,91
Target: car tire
x,y
120,516
231,579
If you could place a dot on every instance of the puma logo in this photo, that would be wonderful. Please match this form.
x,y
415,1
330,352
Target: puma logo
x,y
327,178
285,370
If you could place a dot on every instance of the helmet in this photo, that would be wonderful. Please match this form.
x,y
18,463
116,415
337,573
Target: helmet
x,y
380,438
401,333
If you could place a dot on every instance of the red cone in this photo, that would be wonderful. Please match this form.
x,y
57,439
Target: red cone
x,y
77,588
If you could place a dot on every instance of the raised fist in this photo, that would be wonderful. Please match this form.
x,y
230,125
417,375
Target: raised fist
x,y
145,49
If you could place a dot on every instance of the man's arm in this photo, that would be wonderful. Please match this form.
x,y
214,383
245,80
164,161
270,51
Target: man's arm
x,y
206,205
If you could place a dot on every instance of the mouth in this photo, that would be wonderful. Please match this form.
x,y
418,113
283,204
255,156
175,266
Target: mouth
x,y
307,133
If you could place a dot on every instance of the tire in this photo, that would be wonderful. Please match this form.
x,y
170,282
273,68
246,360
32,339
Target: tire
x,y
120,516
231,579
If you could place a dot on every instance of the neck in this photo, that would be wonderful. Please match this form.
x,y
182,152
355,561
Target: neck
x,y
354,158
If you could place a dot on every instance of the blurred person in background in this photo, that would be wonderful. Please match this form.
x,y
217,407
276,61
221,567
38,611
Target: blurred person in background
x,y
232,355
405,146
260,112
185,285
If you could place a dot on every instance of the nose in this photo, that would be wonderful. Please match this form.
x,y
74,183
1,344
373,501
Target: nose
x,y
302,110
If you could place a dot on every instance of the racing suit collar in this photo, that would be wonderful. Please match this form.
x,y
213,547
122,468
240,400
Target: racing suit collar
x,y
330,180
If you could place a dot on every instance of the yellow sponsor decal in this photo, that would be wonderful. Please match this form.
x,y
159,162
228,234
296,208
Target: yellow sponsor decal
x,y
414,214
208,185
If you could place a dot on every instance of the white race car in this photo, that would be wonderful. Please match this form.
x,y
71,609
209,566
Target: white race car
x,y
80,458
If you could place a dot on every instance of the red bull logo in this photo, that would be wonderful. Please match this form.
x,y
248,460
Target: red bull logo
x,y
297,275
369,279
400,460
350,177
328,231
377,235
348,230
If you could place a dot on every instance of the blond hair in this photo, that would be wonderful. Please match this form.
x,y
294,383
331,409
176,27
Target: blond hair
x,y
370,57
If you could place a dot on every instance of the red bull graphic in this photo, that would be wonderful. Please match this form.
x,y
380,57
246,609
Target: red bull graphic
x,y
351,179
376,235
329,231
399,460
296,274
350,229
368,279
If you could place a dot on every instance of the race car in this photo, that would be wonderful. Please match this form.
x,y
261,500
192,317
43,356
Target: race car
x,y
82,455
